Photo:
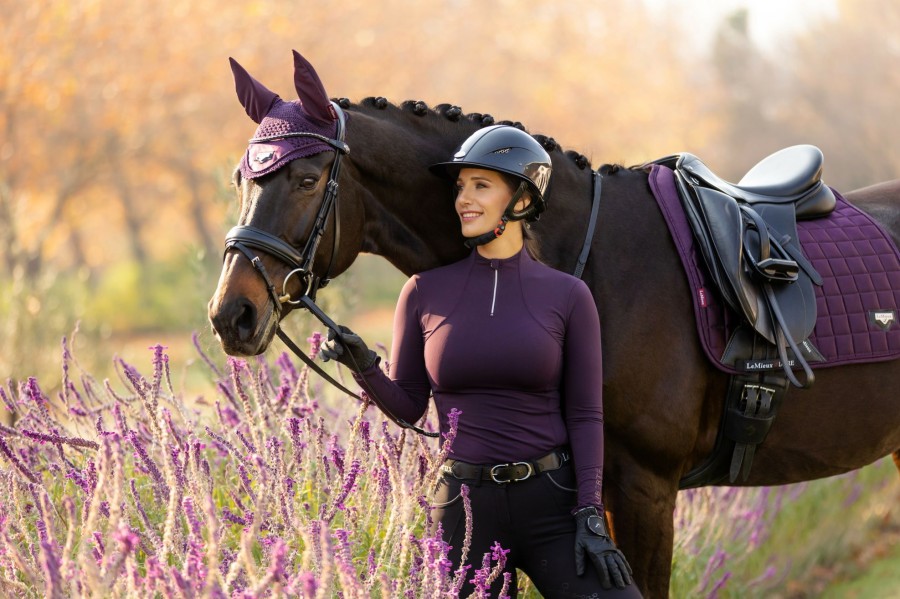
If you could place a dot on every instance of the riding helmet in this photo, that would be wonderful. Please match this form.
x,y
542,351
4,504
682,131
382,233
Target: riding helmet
x,y
508,150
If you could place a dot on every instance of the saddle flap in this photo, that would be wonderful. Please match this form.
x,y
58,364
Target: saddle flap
x,y
724,226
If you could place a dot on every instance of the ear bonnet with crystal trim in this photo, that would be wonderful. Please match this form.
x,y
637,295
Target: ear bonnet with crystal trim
x,y
275,142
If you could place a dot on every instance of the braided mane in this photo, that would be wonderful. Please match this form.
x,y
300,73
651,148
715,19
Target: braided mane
x,y
454,113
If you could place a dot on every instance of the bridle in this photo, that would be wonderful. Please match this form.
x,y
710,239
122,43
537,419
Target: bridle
x,y
245,239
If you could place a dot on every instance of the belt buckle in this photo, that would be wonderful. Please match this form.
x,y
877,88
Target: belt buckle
x,y
528,474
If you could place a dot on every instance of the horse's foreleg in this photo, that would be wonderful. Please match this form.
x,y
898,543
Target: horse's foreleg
x,y
640,507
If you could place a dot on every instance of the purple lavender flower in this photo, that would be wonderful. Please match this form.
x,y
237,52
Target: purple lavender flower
x,y
157,368
26,472
196,339
34,393
160,487
720,584
7,401
56,439
315,344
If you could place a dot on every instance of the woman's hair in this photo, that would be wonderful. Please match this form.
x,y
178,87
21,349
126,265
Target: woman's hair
x,y
531,243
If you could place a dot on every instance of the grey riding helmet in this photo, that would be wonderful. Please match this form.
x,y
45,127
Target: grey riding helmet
x,y
508,150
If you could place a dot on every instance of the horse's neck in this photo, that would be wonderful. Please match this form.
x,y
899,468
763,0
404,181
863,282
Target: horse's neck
x,y
410,219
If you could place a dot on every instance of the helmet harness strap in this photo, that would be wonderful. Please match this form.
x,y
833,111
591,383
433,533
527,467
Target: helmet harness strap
x,y
508,215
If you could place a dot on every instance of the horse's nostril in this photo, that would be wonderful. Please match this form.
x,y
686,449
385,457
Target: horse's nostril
x,y
245,320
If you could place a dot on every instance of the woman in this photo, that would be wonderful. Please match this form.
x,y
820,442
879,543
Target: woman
x,y
515,346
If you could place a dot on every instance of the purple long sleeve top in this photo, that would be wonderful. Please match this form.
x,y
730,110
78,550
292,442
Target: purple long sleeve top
x,y
515,346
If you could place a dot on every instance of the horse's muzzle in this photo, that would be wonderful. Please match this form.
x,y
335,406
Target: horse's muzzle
x,y
240,327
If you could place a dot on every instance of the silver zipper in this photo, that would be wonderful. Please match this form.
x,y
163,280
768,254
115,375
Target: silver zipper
x,y
494,298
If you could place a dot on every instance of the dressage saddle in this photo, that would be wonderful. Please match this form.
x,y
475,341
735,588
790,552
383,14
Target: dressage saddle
x,y
747,235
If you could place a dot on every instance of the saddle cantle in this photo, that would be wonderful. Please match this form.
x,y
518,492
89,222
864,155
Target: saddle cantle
x,y
747,234
792,175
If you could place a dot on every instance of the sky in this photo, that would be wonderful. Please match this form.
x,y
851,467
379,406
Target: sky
x,y
769,20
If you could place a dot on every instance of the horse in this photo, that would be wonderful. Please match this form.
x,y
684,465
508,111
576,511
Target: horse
x,y
663,399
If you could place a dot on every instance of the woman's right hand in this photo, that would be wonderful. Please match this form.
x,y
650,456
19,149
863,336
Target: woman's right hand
x,y
348,349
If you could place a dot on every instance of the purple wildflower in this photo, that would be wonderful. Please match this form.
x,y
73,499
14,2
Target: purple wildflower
x,y
34,393
223,443
315,344
247,444
346,488
504,590
26,472
6,400
230,516
288,371
55,438
99,548
160,487
158,365
196,339
720,584
277,561
716,561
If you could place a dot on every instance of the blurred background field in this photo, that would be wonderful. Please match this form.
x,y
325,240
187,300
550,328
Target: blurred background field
x,y
119,128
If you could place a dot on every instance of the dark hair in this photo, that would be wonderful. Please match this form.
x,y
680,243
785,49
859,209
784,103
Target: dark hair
x,y
531,243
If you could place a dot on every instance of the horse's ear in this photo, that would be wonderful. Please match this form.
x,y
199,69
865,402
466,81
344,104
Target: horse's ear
x,y
256,97
311,91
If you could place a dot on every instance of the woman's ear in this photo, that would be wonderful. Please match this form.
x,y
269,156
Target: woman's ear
x,y
524,202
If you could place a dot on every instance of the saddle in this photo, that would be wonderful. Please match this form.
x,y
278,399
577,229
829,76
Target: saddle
x,y
747,235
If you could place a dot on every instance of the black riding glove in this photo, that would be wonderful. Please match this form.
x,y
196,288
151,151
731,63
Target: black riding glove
x,y
349,350
592,538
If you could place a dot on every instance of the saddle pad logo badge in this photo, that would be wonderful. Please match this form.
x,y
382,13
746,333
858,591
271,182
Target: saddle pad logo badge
x,y
883,319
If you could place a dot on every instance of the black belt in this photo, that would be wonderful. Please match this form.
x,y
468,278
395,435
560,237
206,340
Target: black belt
x,y
512,472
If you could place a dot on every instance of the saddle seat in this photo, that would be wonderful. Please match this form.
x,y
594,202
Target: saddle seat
x,y
792,175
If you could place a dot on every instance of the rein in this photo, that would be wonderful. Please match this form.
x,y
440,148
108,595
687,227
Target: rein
x,y
244,239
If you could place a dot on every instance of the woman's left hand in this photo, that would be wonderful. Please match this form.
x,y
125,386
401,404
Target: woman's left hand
x,y
592,538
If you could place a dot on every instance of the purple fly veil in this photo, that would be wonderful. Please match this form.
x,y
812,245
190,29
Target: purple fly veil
x,y
311,113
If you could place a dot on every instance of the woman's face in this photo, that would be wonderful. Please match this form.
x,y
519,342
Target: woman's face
x,y
481,197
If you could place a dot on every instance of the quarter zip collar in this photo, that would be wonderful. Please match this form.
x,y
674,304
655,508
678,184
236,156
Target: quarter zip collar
x,y
496,265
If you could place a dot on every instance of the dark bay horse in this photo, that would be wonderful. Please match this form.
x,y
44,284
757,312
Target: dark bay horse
x,y
663,399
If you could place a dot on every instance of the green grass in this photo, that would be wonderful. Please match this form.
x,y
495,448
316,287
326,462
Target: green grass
x,y
878,579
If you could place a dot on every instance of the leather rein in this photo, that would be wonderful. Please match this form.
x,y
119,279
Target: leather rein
x,y
245,239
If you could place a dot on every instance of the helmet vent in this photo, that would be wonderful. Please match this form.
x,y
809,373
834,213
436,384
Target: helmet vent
x,y
501,151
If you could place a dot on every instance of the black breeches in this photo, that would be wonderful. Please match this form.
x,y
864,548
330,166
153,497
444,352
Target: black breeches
x,y
532,519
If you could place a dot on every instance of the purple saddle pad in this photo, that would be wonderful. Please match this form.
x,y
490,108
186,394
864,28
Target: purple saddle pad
x,y
858,306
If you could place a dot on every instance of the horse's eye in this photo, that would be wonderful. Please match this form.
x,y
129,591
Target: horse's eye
x,y
308,182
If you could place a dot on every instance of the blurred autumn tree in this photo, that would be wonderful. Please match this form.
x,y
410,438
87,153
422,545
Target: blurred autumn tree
x,y
120,125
